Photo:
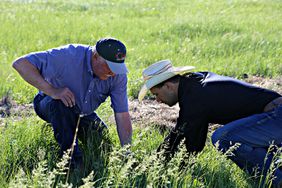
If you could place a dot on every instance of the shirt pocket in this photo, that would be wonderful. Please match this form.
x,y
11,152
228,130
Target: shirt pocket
x,y
94,100
100,95
100,92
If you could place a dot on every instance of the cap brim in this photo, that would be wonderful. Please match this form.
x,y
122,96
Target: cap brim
x,y
142,93
117,68
160,78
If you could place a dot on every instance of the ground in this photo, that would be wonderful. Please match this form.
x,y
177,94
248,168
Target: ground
x,y
148,112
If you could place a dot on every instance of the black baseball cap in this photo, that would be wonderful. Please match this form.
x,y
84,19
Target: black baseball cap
x,y
114,52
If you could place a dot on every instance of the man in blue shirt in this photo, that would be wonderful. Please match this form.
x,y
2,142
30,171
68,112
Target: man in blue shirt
x,y
73,80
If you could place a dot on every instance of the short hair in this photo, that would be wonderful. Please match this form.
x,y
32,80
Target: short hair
x,y
173,79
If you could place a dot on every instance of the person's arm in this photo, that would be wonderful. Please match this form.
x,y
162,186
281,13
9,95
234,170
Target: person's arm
x,y
31,75
192,129
124,127
170,144
120,106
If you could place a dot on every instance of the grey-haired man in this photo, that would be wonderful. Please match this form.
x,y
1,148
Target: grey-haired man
x,y
73,80
252,116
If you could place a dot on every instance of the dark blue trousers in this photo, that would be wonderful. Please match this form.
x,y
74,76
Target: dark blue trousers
x,y
64,121
254,134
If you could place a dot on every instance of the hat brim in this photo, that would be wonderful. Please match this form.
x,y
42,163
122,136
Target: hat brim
x,y
155,80
117,68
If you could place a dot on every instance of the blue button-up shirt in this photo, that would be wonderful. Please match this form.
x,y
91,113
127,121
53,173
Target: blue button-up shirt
x,y
70,66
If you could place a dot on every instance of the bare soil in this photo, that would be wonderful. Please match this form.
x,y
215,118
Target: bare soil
x,y
146,113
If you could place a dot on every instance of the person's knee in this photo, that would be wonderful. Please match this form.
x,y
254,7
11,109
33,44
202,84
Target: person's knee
x,y
57,105
217,136
220,141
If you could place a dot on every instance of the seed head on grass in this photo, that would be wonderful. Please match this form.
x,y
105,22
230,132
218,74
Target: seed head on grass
x,y
88,181
41,176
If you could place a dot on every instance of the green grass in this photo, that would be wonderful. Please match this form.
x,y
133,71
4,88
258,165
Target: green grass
x,y
230,37
28,158
142,168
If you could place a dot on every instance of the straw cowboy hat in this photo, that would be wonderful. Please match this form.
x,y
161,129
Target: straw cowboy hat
x,y
159,72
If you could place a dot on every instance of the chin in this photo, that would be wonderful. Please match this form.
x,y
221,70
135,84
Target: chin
x,y
103,78
171,104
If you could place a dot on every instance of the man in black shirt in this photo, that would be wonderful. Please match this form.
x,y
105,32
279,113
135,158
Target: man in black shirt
x,y
252,115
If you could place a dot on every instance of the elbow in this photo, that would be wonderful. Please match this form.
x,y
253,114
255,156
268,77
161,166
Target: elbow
x,y
17,63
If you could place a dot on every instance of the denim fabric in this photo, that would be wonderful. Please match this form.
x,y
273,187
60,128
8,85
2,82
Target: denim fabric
x,y
254,134
64,121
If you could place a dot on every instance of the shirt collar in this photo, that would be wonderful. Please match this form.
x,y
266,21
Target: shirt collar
x,y
188,81
181,88
89,59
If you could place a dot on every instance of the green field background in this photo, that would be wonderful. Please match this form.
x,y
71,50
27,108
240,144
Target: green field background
x,y
232,37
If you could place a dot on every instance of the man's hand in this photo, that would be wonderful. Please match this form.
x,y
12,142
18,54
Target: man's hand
x,y
65,95
170,144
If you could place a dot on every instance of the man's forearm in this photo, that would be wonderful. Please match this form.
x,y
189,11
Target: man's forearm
x,y
125,135
31,75
124,128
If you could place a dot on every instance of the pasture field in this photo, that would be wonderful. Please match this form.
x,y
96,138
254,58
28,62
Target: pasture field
x,y
230,37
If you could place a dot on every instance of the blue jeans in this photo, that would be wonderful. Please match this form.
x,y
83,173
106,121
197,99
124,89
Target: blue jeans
x,y
254,134
64,121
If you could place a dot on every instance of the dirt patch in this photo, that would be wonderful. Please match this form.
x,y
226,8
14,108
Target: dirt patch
x,y
5,107
9,108
146,113
269,83
150,112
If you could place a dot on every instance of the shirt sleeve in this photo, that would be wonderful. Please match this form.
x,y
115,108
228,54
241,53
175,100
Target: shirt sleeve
x,y
50,62
193,130
170,144
193,115
118,94
195,133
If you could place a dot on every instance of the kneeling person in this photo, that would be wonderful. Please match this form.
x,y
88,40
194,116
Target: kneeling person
x,y
73,80
252,116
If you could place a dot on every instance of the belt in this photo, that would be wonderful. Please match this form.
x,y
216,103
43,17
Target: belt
x,y
273,104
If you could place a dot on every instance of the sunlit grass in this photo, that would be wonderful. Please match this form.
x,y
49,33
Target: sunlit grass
x,y
142,167
29,157
227,37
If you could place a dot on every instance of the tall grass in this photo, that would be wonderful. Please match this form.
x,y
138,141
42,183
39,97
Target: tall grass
x,y
140,168
29,159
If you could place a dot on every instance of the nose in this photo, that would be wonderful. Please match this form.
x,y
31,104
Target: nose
x,y
158,100
110,74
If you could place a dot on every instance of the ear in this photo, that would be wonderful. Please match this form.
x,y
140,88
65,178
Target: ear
x,y
169,85
95,55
